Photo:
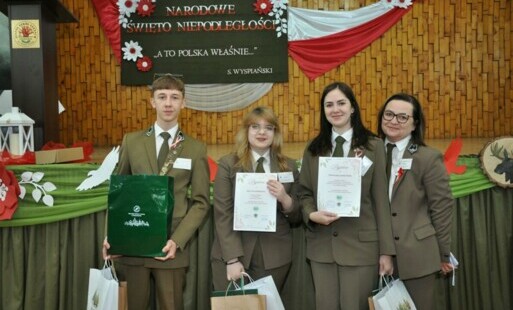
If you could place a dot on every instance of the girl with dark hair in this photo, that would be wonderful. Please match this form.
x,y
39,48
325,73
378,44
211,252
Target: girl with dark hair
x,y
346,253
259,254
420,199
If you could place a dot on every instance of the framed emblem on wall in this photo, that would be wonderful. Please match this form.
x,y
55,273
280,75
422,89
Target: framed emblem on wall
x,y
497,161
25,33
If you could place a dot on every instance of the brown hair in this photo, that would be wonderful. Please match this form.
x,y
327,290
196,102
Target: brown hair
x,y
242,148
167,82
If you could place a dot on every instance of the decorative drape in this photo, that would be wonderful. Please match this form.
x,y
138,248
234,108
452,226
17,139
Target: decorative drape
x,y
318,41
319,55
46,265
309,24
224,97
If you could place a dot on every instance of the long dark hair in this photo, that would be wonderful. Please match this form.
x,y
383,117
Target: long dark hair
x,y
321,144
417,135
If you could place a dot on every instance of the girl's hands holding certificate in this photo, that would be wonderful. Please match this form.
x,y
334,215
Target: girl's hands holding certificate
x,y
277,190
323,217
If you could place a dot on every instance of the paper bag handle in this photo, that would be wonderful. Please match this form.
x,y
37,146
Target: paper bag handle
x,y
236,286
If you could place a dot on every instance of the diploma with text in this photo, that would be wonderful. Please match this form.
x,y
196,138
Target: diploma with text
x,y
254,206
339,185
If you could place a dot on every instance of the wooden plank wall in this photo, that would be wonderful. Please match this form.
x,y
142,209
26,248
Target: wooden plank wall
x,y
455,56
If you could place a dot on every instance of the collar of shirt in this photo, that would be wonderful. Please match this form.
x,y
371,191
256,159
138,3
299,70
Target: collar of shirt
x,y
348,136
267,160
159,140
400,145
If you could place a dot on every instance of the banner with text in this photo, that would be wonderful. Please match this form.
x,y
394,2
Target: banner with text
x,y
204,41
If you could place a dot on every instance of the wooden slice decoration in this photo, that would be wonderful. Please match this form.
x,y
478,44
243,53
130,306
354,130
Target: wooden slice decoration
x,y
497,161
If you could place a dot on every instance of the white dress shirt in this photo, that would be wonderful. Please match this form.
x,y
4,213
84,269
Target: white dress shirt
x,y
397,156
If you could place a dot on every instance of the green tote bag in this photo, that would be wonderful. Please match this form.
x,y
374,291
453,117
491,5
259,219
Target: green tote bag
x,y
140,209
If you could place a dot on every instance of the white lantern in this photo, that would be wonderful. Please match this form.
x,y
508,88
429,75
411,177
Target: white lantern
x,y
16,132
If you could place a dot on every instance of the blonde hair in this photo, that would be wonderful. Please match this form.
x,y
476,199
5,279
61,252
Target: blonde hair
x,y
242,147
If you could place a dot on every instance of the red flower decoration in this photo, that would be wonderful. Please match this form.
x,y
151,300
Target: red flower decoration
x,y
145,8
263,7
144,64
400,173
9,191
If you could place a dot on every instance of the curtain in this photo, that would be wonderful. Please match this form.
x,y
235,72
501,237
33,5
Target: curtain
x,y
46,265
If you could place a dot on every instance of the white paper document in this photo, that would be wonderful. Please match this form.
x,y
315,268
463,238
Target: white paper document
x,y
254,206
340,185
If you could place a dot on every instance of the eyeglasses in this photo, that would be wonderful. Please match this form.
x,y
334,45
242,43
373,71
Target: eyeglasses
x,y
401,118
257,127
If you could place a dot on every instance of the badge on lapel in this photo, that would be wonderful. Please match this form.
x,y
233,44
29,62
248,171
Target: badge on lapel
x,y
413,148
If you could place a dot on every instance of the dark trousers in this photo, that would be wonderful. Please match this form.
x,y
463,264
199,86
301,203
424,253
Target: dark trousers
x,y
168,285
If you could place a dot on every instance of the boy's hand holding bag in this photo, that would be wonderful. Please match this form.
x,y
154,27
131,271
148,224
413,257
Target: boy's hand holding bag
x,y
103,290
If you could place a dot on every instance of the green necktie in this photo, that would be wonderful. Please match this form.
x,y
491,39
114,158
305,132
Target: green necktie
x,y
390,147
164,149
339,150
260,165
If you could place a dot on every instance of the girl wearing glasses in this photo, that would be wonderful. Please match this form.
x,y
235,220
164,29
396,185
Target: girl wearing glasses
x,y
257,253
420,198
346,253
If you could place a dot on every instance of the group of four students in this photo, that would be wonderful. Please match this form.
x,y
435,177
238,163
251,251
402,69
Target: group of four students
x,y
404,221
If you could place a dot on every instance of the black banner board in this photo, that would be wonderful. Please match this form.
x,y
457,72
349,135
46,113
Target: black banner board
x,y
204,41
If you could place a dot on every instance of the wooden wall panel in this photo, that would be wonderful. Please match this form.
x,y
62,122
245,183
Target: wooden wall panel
x,y
455,56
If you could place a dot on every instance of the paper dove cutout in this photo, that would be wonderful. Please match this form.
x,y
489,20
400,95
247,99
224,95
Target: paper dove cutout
x,y
102,174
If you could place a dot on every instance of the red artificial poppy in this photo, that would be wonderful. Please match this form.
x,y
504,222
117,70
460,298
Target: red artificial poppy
x,y
144,64
145,8
9,191
263,7
400,173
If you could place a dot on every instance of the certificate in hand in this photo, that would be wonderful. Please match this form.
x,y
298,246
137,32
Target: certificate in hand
x,y
339,185
254,206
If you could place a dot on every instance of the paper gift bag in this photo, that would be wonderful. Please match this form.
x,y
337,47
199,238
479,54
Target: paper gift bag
x,y
393,296
140,208
266,286
102,293
238,302
122,288
122,296
371,303
241,299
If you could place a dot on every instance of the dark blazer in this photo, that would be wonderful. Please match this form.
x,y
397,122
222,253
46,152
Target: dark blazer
x,y
350,241
138,156
229,244
421,209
